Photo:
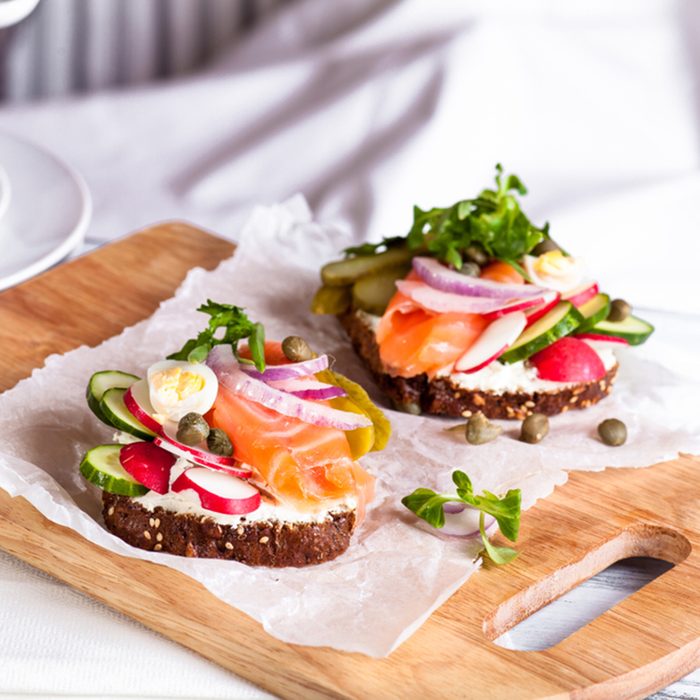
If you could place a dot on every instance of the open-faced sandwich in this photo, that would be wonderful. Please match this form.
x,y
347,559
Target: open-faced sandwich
x,y
476,309
235,452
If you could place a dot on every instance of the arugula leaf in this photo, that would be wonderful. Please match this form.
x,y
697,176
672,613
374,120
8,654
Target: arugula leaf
x,y
428,505
256,343
493,221
237,326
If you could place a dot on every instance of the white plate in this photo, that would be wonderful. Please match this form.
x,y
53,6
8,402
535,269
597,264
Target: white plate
x,y
48,211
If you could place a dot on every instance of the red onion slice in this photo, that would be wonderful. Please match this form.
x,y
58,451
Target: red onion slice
x,y
438,301
463,522
440,277
293,370
308,389
228,371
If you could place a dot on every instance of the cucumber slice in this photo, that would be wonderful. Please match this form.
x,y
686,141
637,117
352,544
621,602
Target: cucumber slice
x,y
119,416
344,272
593,311
634,330
331,300
560,321
101,466
373,293
101,382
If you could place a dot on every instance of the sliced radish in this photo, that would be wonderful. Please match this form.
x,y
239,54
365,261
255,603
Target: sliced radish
x,y
199,454
224,364
148,464
138,403
275,373
308,388
185,452
219,492
568,360
440,277
492,343
600,338
438,301
547,301
539,311
581,294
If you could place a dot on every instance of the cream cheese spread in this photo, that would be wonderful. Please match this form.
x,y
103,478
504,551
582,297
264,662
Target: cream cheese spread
x,y
187,502
502,378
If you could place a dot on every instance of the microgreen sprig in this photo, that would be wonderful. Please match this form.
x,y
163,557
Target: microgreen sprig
x,y
428,505
492,222
237,326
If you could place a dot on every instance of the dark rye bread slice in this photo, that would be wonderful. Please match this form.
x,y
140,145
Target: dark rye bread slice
x,y
442,397
261,543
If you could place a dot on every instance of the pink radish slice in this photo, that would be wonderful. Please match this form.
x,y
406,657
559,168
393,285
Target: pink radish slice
x,y
539,311
548,300
200,451
444,302
441,277
148,464
186,452
230,376
498,336
568,359
308,389
600,338
275,373
138,403
219,492
581,294
199,454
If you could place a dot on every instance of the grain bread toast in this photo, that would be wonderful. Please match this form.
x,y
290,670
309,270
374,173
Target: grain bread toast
x,y
257,543
440,396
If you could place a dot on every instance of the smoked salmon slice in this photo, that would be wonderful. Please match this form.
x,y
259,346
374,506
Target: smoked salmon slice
x,y
301,465
413,340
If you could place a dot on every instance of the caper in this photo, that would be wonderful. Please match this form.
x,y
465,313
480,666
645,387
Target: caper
x,y
296,349
470,269
219,444
192,429
408,407
613,432
476,254
619,310
481,430
534,428
544,246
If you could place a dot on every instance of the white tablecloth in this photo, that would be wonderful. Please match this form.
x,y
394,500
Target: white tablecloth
x,y
368,107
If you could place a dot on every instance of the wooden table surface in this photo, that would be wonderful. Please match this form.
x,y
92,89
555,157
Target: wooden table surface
x,y
488,604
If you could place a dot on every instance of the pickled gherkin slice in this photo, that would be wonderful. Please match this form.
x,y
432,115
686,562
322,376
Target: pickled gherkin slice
x,y
344,272
358,396
331,300
374,292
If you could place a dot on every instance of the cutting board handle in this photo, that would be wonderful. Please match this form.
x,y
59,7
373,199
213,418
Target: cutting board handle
x,y
640,539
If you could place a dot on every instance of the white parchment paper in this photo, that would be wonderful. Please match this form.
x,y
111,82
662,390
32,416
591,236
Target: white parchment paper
x,y
394,575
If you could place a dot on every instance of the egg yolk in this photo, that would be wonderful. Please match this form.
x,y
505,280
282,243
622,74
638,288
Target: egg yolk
x,y
173,385
553,264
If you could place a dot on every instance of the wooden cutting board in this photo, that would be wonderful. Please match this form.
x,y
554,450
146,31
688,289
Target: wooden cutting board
x,y
637,647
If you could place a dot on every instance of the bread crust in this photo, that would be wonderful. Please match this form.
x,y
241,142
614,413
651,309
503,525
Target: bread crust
x,y
257,543
440,396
